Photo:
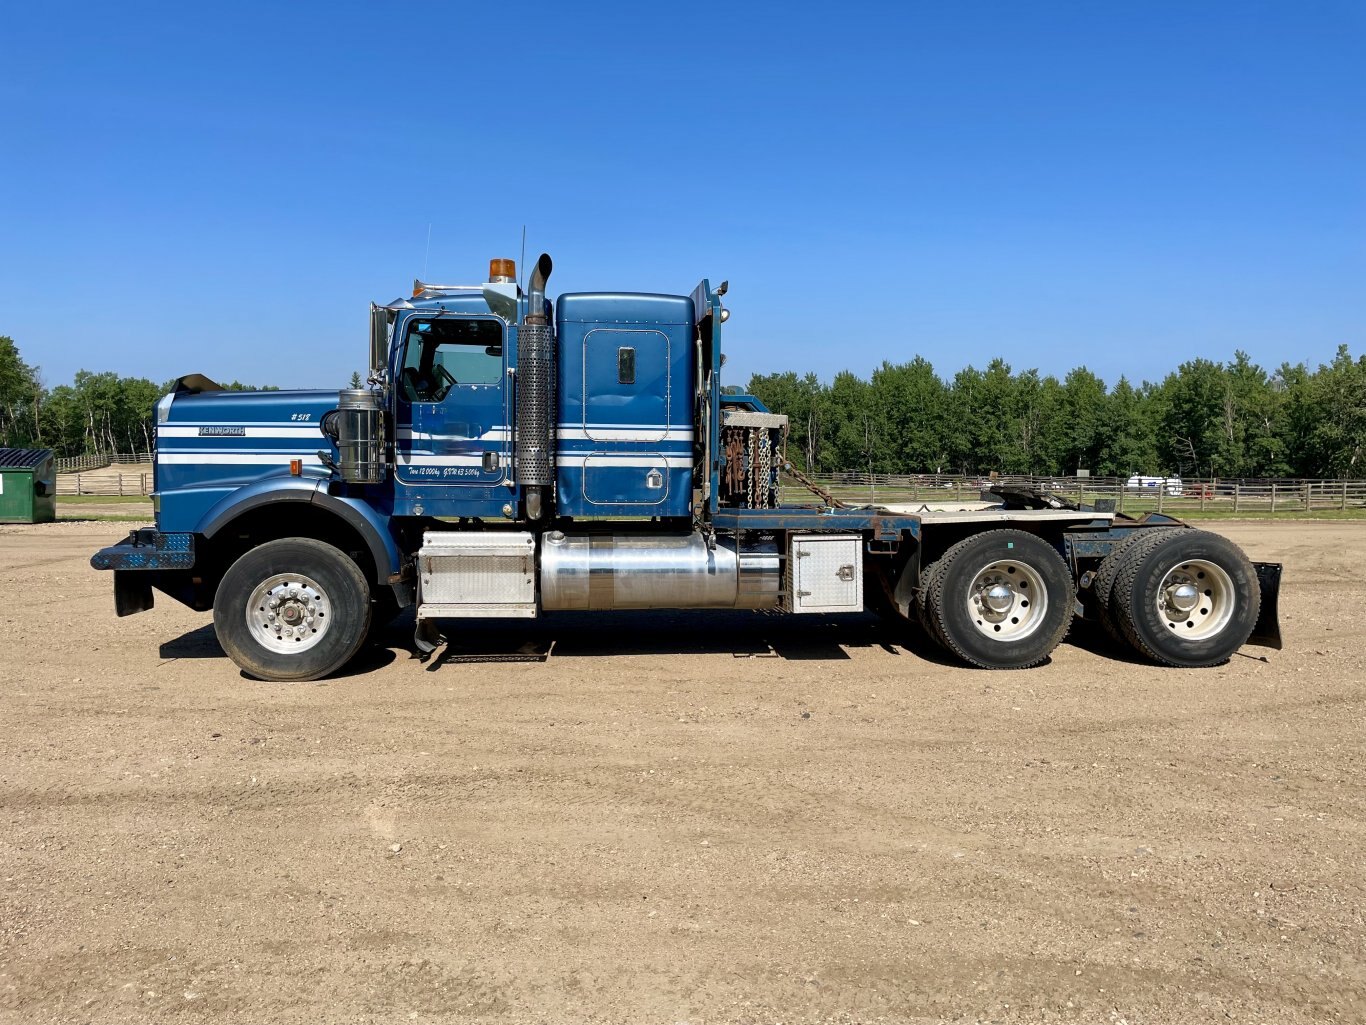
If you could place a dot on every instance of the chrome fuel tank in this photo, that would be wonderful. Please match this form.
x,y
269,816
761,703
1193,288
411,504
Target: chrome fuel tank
x,y
666,571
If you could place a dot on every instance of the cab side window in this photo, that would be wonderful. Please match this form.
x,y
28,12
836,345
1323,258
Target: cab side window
x,y
442,352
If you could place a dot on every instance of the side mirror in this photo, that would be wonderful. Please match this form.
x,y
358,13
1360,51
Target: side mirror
x,y
380,320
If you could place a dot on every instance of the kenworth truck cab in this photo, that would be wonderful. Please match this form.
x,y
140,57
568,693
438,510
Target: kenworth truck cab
x,y
511,458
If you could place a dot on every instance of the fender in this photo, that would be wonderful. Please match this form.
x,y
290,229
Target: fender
x,y
275,490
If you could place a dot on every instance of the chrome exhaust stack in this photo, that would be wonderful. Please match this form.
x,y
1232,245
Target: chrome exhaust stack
x,y
536,395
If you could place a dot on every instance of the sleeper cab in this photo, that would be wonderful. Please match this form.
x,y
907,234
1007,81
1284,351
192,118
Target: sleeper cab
x,y
626,384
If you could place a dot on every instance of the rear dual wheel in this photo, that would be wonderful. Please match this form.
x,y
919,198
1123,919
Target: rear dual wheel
x,y
1002,599
1186,598
1103,587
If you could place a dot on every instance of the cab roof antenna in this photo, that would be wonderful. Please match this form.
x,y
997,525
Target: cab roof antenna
x,y
522,262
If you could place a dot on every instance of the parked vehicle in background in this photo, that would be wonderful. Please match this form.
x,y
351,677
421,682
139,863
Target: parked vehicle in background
x,y
1170,485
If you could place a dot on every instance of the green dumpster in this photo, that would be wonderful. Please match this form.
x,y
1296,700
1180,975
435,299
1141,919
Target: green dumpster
x,y
28,485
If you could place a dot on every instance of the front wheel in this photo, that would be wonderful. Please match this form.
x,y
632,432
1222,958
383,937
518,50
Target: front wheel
x,y
292,610
1002,599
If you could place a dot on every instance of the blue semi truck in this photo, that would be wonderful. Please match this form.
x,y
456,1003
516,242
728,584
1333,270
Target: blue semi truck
x,y
514,458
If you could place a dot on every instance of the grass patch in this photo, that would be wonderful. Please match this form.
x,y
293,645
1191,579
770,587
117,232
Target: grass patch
x,y
102,518
103,499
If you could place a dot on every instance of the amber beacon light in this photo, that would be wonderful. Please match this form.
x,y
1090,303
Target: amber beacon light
x,y
502,270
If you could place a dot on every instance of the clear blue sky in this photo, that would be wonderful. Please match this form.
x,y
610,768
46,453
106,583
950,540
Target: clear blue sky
x,y
1127,185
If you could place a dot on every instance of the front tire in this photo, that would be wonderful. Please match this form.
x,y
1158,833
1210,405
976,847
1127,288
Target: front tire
x,y
292,610
1002,599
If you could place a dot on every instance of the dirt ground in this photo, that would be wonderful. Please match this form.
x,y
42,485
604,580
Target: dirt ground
x,y
664,818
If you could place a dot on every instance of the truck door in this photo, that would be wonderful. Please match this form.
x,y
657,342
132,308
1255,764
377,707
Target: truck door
x,y
453,402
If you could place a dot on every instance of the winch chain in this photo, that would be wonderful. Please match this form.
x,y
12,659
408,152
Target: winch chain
x,y
749,467
765,468
801,478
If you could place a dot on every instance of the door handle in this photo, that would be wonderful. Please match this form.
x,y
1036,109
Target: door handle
x,y
490,461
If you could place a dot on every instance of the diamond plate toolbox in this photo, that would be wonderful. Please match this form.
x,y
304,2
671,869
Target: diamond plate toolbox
x,y
826,573
467,573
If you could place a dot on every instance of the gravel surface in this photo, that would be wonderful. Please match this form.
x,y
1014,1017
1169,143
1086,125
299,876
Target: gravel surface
x,y
667,818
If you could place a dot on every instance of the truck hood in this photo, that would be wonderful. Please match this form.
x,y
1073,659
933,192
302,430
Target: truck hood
x,y
216,441
248,408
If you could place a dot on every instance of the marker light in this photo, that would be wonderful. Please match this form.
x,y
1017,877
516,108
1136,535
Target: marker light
x,y
503,270
296,467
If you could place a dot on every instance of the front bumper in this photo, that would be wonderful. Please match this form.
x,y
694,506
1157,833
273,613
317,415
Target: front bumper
x,y
141,560
145,549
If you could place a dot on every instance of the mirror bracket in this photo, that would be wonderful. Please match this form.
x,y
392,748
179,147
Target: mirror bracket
x,y
381,323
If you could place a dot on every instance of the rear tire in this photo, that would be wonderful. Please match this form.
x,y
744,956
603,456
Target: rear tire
x,y
1103,587
1002,599
923,610
1188,599
292,610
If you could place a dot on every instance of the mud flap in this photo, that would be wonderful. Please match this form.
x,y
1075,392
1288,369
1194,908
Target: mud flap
x,y
426,638
132,592
1267,632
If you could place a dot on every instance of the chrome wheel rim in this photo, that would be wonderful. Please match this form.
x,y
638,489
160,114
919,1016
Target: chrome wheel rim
x,y
1007,600
1195,600
288,613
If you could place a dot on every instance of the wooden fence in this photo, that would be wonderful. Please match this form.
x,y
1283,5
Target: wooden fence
x,y
70,464
1171,495
1174,496
121,473
104,483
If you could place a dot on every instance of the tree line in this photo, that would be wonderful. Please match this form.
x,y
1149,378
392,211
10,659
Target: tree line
x,y
97,413
1205,419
